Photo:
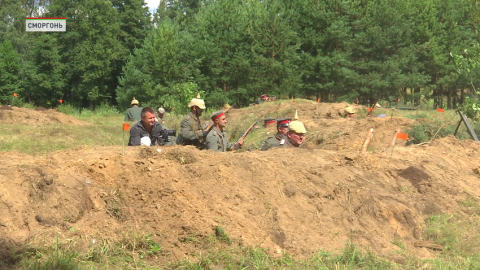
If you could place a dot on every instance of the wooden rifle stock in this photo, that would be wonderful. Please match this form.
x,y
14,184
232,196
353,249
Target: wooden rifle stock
x,y
236,144
210,124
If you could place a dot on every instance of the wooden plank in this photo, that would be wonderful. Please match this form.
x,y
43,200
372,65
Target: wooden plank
x,y
470,129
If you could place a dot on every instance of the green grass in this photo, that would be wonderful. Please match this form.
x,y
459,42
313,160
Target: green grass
x,y
52,137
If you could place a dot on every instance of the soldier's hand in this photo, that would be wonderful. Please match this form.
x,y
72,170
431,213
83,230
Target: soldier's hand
x,y
240,142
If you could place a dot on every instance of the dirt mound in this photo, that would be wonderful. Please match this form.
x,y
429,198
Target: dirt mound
x,y
40,109
37,116
5,108
326,128
298,200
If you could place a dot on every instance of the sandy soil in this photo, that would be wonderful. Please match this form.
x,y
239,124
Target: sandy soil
x,y
37,116
298,201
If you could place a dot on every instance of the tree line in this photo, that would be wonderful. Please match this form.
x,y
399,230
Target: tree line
x,y
232,51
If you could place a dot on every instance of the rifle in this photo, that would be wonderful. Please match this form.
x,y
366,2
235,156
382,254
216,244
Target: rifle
x,y
209,126
235,145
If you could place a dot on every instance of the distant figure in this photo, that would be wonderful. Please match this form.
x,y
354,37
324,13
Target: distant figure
x,y
217,138
280,138
133,113
261,99
147,131
160,115
191,132
349,112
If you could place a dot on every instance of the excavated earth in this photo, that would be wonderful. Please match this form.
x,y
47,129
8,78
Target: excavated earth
x,y
37,116
298,201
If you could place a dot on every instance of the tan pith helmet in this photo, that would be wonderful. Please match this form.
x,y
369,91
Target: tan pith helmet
x,y
349,109
134,101
297,127
197,102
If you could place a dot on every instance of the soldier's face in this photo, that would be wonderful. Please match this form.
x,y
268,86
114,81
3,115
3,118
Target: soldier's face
x,y
198,111
222,121
148,119
282,130
296,138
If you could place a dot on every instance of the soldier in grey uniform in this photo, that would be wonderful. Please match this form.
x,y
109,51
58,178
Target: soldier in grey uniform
x,y
274,141
191,132
217,139
133,113
261,99
293,137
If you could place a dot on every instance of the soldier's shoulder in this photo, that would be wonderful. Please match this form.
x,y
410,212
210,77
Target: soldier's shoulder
x,y
212,133
271,139
186,117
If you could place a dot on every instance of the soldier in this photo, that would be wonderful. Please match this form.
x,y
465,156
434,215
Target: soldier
x,y
147,129
296,134
191,132
160,115
261,99
217,138
134,112
279,138
269,121
349,112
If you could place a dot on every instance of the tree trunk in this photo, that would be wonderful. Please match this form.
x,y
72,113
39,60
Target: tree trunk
x,y
449,99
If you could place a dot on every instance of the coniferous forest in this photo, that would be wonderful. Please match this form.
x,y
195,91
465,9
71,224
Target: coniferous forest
x,y
235,50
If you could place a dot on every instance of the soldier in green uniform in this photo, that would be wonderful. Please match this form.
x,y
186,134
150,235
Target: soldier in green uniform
x,y
274,141
191,132
134,113
217,138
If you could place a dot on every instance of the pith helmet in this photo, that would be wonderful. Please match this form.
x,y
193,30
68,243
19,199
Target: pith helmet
x,y
134,101
161,110
197,102
297,127
349,110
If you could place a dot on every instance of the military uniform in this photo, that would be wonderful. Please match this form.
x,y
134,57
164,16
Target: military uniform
x,y
217,140
191,131
258,101
138,131
279,140
133,114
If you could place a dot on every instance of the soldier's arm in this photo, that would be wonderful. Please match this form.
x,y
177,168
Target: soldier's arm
x,y
212,142
135,137
187,132
267,144
126,117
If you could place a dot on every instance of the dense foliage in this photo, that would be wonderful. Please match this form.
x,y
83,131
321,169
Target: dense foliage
x,y
234,50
